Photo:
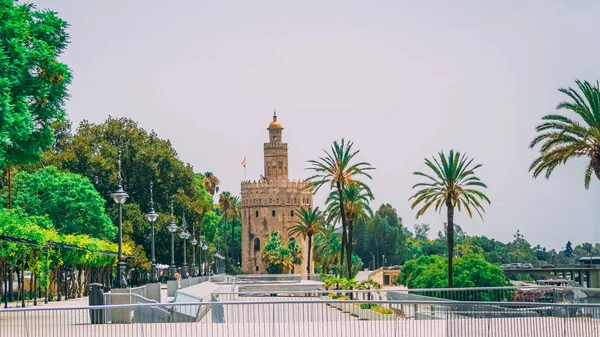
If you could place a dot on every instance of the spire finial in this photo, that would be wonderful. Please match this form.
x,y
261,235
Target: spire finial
x,y
119,177
172,217
151,199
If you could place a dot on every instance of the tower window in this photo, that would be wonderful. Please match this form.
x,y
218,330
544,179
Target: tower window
x,y
256,245
288,201
256,268
256,214
292,213
273,213
277,201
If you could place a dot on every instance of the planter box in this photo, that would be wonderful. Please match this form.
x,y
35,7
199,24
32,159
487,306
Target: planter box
x,y
368,314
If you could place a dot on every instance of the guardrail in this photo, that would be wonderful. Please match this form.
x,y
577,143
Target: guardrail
x,y
537,294
314,317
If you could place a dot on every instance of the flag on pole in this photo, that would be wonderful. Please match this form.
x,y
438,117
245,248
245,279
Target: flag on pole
x,y
244,162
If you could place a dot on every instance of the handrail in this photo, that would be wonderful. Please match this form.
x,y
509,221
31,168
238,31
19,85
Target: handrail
x,y
238,303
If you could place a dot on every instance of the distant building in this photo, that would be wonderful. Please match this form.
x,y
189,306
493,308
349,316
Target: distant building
x,y
271,203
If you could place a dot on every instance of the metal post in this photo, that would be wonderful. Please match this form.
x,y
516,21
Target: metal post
x,y
172,267
153,269
184,266
121,283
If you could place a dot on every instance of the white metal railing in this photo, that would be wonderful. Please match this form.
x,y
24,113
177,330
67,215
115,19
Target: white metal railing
x,y
308,317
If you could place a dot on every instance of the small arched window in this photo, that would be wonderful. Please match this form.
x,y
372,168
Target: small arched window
x,y
256,245
288,201
292,213
260,200
273,213
277,201
256,214
270,200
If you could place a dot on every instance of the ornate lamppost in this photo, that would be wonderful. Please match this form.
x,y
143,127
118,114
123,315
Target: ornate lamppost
x,y
184,235
119,196
194,242
152,217
172,228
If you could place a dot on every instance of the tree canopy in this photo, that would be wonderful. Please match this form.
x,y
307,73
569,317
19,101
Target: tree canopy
x,y
33,82
70,201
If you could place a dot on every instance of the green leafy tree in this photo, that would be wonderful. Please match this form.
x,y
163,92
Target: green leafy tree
x,y
93,152
471,271
453,185
338,170
422,231
310,223
563,138
278,256
33,82
69,200
569,249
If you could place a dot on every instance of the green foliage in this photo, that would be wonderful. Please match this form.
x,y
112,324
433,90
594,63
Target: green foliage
x,y
93,153
563,138
33,83
69,200
472,270
569,249
279,256
383,234
45,248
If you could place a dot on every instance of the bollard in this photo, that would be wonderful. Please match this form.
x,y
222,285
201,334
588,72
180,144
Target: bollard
x,y
96,297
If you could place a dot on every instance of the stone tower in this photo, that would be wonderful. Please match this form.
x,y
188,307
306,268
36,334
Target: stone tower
x,y
271,203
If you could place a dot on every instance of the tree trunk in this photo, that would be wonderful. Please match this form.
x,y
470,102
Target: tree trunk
x,y
450,237
349,251
343,216
10,282
309,247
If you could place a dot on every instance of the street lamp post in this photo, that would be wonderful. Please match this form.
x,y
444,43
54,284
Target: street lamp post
x,y
204,248
119,196
194,242
172,228
152,217
184,235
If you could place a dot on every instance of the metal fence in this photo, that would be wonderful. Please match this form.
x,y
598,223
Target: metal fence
x,y
534,294
313,316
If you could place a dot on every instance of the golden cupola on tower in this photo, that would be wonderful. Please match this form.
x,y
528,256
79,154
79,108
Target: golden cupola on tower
x,y
275,124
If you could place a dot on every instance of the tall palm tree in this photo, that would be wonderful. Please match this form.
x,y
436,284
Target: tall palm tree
x,y
337,170
563,138
211,183
356,206
453,184
309,224
327,248
235,214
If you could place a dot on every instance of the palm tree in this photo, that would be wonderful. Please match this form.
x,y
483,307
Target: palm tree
x,y
231,209
235,214
356,206
563,138
309,224
338,170
211,183
327,248
453,184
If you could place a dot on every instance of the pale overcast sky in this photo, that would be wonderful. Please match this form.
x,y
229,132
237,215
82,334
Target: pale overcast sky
x,y
403,79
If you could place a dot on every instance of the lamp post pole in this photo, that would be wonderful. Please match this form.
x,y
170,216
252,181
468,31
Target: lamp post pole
x,y
184,235
152,217
194,242
119,196
172,228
